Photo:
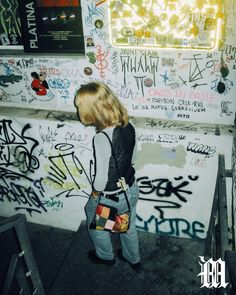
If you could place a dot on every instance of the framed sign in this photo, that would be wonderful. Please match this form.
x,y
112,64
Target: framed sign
x,y
185,24
52,26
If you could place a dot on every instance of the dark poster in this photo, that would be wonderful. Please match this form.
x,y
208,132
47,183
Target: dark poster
x,y
10,29
52,26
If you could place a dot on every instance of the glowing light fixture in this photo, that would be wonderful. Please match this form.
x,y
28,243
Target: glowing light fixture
x,y
188,24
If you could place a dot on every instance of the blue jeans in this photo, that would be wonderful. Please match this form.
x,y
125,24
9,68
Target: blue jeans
x,y
102,239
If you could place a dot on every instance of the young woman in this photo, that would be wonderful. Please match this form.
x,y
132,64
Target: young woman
x,y
98,106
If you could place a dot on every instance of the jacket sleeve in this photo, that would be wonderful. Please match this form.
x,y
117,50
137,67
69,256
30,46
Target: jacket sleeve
x,y
102,154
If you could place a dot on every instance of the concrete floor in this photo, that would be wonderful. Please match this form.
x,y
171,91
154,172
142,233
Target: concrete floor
x,y
170,265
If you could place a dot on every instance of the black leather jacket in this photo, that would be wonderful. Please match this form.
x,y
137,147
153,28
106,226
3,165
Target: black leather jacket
x,y
123,141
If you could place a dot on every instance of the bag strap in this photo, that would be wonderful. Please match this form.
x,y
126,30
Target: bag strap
x,y
114,155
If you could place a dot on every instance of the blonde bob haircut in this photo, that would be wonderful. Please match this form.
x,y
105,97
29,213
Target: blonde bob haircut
x,y
98,106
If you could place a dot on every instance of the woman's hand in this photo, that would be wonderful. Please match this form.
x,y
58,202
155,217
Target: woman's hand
x,y
95,194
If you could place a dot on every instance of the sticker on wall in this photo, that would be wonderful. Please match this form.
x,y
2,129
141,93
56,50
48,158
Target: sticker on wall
x,y
89,42
99,24
189,24
39,83
148,82
88,71
92,57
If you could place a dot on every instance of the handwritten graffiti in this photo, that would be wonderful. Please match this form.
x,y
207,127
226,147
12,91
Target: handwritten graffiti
x,y
4,96
229,49
48,136
115,64
59,83
75,137
182,94
167,138
165,77
167,62
61,116
29,194
170,138
227,84
172,227
81,143
55,205
179,126
202,149
225,109
8,71
195,73
22,190
125,93
65,169
162,187
171,124
144,64
64,94
17,149
102,62
25,63
198,162
94,12
10,79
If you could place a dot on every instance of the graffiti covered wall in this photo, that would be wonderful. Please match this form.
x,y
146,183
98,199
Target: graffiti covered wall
x,y
168,84
46,169
177,169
